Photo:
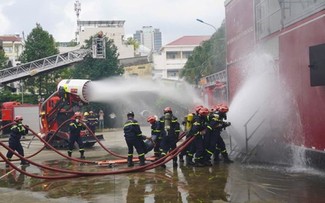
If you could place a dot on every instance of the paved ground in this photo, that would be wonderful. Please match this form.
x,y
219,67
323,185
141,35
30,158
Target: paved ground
x,y
218,183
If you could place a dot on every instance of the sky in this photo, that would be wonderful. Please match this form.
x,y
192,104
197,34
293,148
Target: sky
x,y
174,18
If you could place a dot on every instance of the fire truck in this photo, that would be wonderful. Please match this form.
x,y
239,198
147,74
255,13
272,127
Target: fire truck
x,y
61,106
69,97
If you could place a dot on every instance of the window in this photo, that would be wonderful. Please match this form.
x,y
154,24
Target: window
x,y
7,49
173,55
172,73
187,54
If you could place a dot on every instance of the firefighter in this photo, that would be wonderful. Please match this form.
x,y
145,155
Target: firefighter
x,y
133,137
188,121
155,134
169,130
214,127
92,121
17,131
221,146
75,128
190,150
198,130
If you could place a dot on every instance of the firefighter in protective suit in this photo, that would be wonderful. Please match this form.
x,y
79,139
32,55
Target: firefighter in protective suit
x,y
190,150
133,137
17,131
170,129
221,146
155,134
198,130
75,127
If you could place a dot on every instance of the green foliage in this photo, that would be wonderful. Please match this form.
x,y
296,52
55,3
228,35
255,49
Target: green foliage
x,y
208,58
3,60
97,69
131,41
40,44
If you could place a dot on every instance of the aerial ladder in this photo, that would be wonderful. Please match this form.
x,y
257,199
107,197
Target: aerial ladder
x,y
54,62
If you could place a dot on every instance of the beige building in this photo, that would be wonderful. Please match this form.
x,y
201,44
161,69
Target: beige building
x,y
173,57
137,67
13,47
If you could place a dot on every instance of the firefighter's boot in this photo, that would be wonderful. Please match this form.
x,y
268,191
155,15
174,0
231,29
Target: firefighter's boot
x,y
189,160
216,157
69,153
24,163
175,162
130,161
82,156
7,164
226,158
181,158
142,161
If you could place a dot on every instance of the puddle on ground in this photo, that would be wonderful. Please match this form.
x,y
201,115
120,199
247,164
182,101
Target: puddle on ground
x,y
219,183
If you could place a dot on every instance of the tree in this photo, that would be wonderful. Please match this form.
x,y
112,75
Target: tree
x,y
96,69
3,59
208,58
40,44
132,41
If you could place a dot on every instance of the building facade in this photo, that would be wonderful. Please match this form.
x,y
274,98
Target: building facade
x,y
149,37
173,56
13,47
292,34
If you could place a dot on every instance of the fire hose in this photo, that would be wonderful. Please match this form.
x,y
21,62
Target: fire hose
x,y
73,174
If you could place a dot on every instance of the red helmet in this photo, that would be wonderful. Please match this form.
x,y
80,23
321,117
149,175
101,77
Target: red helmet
x,y
203,111
18,118
215,108
197,108
168,110
223,109
151,119
77,114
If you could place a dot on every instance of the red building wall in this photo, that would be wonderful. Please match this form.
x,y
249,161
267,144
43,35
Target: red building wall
x,y
294,46
240,40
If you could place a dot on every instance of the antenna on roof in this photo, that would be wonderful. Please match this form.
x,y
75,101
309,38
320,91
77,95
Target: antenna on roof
x,y
77,9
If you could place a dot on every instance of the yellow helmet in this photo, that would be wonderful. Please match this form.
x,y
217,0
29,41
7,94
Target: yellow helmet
x,y
86,113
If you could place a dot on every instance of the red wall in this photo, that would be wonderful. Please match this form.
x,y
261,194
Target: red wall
x,y
240,40
294,60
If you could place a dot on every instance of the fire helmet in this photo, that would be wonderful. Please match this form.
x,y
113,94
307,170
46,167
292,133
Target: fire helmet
x,y
130,114
197,108
77,114
223,109
168,110
86,114
203,111
18,118
215,108
151,119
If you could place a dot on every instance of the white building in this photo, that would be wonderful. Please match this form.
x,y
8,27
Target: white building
x,y
112,29
13,47
173,56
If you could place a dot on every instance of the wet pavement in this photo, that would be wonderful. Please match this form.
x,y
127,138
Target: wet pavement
x,y
219,183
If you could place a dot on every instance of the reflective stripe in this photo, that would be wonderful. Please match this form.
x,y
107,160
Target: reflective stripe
x,y
209,152
131,123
